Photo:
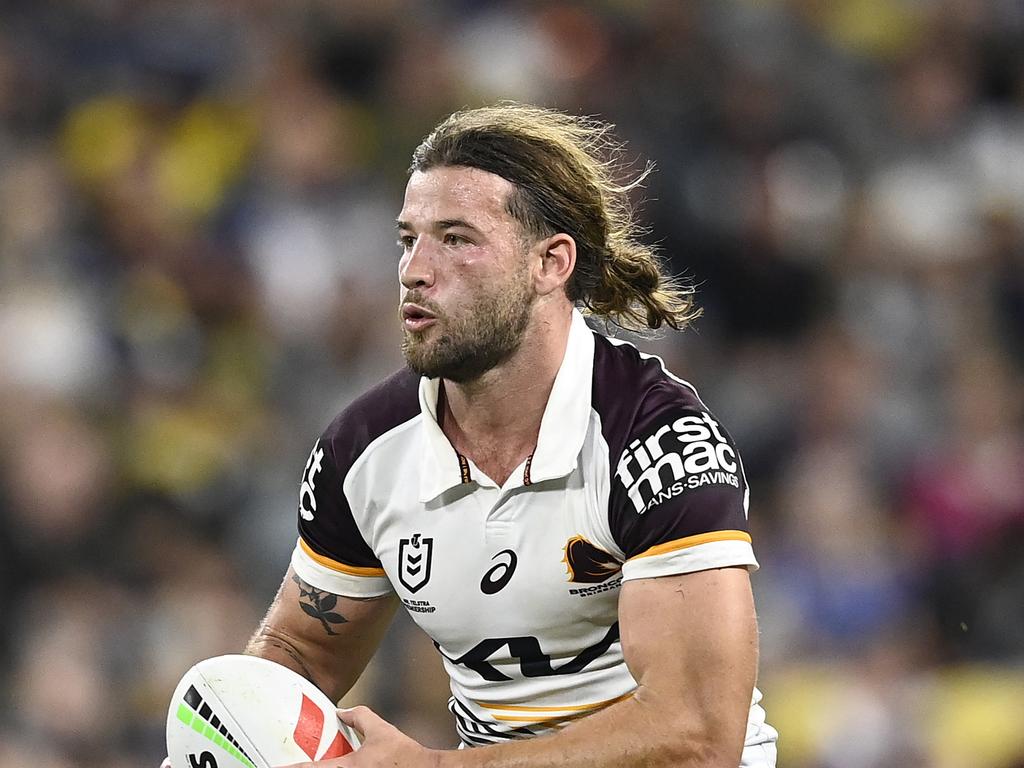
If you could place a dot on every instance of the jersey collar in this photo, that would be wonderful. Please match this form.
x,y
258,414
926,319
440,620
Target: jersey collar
x,y
563,428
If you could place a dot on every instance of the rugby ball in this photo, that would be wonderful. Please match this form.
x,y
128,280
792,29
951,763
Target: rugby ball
x,y
232,711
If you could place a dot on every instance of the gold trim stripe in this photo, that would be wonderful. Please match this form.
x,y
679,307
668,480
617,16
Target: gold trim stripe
x,y
334,565
551,722
566,708
559,721
693,541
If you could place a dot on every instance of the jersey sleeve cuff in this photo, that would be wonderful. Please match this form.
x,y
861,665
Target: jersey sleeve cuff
x,y
340,579
719,549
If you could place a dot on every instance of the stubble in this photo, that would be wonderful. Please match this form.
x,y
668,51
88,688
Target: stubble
x,y
474,338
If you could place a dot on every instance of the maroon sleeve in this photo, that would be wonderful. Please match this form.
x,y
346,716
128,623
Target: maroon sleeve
x,y
679,477
326,524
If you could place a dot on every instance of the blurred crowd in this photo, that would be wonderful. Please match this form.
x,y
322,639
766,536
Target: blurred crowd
x,y
198,270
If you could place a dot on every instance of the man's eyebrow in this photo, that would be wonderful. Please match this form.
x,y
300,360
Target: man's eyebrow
x,y
451,223
442,224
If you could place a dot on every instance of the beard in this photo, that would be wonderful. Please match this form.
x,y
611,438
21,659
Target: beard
x,y
484,334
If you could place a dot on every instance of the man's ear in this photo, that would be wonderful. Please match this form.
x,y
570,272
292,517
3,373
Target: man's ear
x,y
557,262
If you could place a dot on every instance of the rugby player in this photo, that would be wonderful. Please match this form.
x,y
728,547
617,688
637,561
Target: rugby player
x,y
565,518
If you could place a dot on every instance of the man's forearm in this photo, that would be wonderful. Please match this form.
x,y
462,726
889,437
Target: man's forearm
x,y
273,646
640,731
326,638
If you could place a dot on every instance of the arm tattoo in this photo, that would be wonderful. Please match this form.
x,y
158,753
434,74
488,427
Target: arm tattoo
x,y
319,605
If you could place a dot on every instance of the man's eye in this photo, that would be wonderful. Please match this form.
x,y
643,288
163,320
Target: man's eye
x,y
406,242
452,239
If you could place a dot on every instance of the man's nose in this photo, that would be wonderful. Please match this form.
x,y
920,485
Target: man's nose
x,y
416,269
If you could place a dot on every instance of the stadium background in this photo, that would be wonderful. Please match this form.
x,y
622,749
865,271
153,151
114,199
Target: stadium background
x,y
197,270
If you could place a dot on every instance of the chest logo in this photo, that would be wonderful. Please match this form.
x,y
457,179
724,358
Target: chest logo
x,y
500,574
588,564
533,662
414,559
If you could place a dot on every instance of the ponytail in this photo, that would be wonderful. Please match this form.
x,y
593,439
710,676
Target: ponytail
x,y
634,293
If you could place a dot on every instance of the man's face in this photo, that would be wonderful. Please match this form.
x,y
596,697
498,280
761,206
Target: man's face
x,y
466,290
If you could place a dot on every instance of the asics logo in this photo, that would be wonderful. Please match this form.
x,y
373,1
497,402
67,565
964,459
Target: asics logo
x,y
499,575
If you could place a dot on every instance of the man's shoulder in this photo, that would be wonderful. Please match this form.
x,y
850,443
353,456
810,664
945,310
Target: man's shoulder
x,y
631,386
389,404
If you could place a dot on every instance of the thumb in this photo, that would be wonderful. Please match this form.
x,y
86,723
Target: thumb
x,y
363,719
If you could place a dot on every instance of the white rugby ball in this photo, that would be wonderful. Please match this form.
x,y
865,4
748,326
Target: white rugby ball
x,y
236,710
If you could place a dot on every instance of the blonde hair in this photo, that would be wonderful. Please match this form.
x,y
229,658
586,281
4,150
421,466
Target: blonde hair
x,y
563,168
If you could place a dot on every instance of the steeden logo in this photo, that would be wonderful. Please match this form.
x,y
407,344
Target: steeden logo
x,y
310,729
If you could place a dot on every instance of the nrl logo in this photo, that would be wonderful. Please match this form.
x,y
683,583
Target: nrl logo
x,y
414,559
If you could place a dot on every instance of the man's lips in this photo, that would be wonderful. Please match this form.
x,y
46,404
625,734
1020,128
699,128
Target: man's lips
x,y
416,318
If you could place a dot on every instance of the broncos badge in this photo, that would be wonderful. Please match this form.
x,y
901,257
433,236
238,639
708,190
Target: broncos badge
x,y
588,564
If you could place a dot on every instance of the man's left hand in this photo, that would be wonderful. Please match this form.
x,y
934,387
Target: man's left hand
x,y
384,746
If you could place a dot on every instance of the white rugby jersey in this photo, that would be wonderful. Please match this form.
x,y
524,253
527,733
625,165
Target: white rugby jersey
x,y
518,585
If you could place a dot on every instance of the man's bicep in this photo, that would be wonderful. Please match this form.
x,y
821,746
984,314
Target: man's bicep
x,y
325,637
690,642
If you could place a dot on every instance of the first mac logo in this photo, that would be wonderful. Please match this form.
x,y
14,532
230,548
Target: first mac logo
x,y
688,453
307,495
414,559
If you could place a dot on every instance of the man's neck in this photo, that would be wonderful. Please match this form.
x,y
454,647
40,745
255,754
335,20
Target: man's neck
x,y
495,420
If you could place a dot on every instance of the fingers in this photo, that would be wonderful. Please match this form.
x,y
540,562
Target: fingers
x,y
363,719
